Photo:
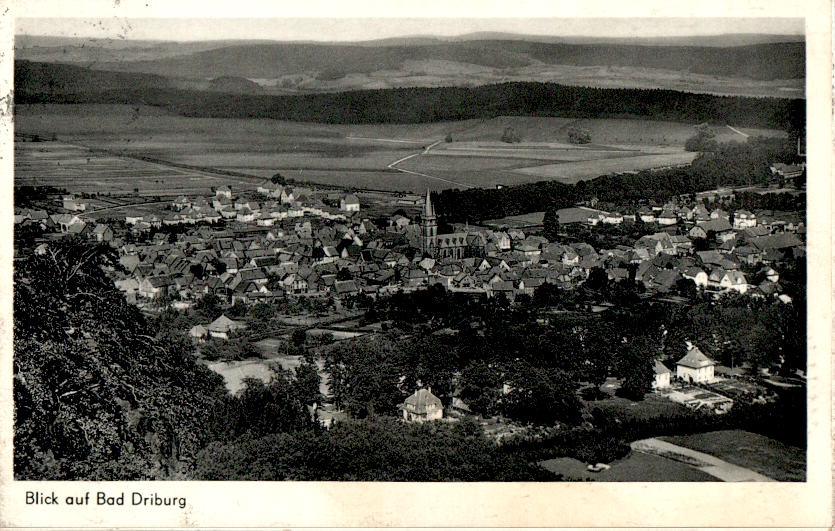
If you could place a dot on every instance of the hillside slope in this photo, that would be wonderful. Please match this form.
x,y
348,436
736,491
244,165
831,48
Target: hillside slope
x,y
783,60
45,83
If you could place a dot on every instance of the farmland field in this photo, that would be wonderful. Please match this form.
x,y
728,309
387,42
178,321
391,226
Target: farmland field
x,y
78,170
357,156
572,172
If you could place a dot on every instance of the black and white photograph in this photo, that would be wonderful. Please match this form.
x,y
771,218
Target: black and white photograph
x,y
470,250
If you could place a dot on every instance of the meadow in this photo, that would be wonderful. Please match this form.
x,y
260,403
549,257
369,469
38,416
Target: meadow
x,y
572,172
750,450
351,156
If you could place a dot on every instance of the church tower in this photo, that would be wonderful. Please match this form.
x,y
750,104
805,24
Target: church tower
x,y
429,227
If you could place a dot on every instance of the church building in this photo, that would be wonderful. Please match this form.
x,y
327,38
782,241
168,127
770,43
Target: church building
x,y
454,245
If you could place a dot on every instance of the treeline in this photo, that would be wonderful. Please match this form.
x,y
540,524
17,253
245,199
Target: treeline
x,y
30,196
374,449
46,83
732,164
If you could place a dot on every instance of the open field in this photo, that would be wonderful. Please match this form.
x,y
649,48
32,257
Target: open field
x,y
755,452
522,221
552,151
602,131
78,170
357,156
634,467
572,172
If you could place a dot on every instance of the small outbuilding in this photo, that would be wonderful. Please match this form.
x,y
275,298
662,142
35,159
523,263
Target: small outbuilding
x,y
662,376
223,326
198,333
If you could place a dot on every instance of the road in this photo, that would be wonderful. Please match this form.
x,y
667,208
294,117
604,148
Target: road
x,y
129,205
704,462
385,140
737,131
393,166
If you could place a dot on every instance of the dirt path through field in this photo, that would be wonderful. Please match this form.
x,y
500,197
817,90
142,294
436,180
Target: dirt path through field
x,y
737,131
704,462
117,207
394,164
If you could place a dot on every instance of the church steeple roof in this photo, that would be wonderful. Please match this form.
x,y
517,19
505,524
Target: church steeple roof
x,y
428,209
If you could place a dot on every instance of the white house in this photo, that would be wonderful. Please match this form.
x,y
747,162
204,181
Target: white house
x,y
270,189
695,366
734,280
662,376
647,215
613,218
422,406
224,191
155,287
349,203
744,219
667,217
696,275
69,202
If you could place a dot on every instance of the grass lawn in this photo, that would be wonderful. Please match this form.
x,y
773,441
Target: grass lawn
x,y
634,467
756,452
653,406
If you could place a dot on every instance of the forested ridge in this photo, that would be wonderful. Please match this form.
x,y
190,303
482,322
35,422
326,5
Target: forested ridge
x,y
731,164
48,83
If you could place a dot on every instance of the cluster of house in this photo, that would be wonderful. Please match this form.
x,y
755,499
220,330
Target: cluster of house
x,y
297,246
283,203
697,217
728,241
60,225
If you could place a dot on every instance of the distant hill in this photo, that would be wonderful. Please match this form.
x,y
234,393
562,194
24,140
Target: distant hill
x,y
721,41
234,85
762,60
46,83
45,78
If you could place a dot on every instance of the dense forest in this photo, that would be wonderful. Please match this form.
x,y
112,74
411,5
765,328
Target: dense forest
x,y
48,83
731,164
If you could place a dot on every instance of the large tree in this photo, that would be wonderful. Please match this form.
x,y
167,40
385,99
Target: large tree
x,y
365,375
97,395
636,366
541,396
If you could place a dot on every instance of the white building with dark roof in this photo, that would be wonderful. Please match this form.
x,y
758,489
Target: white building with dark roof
x,y
695,366
422,406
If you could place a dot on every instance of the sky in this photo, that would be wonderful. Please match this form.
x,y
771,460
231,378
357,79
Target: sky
x,y
357,29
